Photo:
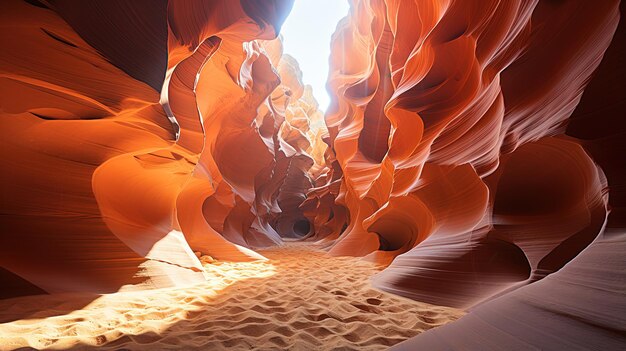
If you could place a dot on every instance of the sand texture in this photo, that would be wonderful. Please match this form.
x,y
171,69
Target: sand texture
x,y
299,299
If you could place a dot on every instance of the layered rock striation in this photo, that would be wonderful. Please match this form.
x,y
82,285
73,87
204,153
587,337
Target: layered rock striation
x,y
449,146
134,136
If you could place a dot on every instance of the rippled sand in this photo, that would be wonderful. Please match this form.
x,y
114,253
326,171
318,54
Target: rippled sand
x,y
299,299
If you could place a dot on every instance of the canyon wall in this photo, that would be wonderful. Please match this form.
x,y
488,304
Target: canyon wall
x,y
134,137
451,160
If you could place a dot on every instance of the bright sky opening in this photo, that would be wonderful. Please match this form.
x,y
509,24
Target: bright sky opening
x,y
306,37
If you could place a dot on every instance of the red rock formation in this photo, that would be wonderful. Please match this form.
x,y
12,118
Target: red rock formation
x,y
445,87
579,306
124,127
462,176
548,205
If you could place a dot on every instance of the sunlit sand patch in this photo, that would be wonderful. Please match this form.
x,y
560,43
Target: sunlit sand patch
x,y
299,299
111,316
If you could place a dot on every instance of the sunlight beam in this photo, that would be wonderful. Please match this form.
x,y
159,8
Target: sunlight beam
x,y
306,37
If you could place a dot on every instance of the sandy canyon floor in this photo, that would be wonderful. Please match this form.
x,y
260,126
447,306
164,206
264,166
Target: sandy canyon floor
x,y
300,299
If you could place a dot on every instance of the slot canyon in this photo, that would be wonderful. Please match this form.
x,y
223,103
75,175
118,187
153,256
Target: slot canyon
x,y
172,181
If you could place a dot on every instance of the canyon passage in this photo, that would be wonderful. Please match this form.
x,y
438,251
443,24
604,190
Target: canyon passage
x,y
170,181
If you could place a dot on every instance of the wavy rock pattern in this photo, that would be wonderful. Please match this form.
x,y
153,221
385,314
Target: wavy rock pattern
x,y
159,136
446,90
446,138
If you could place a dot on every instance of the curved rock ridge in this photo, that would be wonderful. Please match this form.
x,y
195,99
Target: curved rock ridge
x,y
448,161
136,137
432,126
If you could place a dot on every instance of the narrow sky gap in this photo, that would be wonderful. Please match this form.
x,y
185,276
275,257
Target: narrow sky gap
x,y
306,37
